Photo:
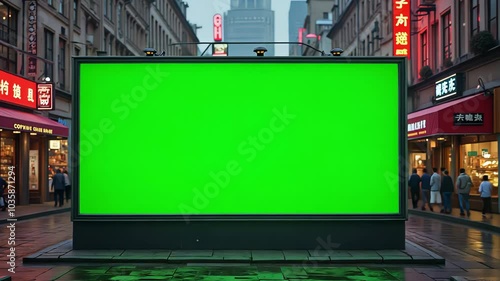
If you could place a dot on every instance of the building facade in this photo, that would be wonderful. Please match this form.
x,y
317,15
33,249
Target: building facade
x,y
249,21
38,39
454,94
296,17
317,24
170,31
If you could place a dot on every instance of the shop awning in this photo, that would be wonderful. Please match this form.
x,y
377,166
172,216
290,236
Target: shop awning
x,y
21,121
469,115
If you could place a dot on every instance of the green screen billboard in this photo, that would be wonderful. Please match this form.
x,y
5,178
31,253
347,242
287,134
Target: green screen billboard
x,y
205,137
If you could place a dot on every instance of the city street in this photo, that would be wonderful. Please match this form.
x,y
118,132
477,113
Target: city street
x,y
468,253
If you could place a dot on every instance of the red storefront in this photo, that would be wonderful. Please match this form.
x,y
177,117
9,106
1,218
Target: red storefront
x,y
25,135
456,134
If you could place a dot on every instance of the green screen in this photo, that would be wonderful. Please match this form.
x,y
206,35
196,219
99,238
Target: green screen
x,y
220,138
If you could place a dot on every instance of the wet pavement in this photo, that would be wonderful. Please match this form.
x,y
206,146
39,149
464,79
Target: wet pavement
x,y
470,254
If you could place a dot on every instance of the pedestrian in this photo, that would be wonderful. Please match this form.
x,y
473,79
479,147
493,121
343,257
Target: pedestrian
x,y
58,186
464,184
3,186
414,184
426,189
435,189
447,189
67,186
485,189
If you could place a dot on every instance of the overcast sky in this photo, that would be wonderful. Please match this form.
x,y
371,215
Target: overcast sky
x,y
201,13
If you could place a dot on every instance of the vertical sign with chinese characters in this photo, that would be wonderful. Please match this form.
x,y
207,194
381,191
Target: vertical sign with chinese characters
x,y
401,27
45,98
32,14
17,90
217,27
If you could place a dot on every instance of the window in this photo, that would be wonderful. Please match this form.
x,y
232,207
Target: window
x,y
77,52
481,159
462,25
363,51
119,19
493,18
105,7
60,8
434,44
8,25
251,4
75,12
424,51
325,15
49,54
446,21
474,17
62,63
50,3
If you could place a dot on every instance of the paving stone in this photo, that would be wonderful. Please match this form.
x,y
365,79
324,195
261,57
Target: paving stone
x,y
237,258
268,256
323,258
396,258
188,258
94,253
146,253
192,253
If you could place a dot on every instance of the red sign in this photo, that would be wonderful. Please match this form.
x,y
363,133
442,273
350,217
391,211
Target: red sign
x,y
45,100
17,90
401,27
217,27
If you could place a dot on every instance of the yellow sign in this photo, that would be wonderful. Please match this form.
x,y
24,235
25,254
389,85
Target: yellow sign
x,y
35,129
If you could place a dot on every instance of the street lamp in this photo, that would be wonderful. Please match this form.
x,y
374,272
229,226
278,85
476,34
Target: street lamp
x,y
336,52
260,51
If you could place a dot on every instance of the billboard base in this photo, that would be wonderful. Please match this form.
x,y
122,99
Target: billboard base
x,y
246,235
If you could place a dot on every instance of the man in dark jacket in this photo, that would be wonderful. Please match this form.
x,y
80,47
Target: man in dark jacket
x,y
59,187
414,184
3,186
447,188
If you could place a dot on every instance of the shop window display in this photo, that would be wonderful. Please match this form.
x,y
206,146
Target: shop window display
x,y
481,159
7,156
58,158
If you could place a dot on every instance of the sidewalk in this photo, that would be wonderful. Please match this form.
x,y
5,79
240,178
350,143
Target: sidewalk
x,y
476,220
25,212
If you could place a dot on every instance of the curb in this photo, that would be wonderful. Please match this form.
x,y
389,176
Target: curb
x,y
36,215
462,221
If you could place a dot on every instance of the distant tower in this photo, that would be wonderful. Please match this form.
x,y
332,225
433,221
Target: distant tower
x,y
249,21
296,17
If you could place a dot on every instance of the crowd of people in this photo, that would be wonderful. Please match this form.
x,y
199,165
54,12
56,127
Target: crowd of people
x,y
437,189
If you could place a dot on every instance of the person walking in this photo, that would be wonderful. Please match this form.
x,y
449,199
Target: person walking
x,y
485,189
447,189
67,186
3,186
414,184
426,189
435,189
464,184
58,186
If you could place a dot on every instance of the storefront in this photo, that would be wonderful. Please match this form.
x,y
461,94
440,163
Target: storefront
x,y
26,135
454,134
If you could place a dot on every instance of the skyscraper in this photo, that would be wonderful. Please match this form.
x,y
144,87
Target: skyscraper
x,y
249,21
296,17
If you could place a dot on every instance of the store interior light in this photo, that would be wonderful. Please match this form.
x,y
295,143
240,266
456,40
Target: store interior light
x,y
17,132
33,134
441,139
1,130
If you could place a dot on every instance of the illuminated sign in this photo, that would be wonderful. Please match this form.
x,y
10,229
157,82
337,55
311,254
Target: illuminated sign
x,y
219,50
250,151
29,128
417,128
17,90
401,27
45,98
468,119
448,87
217,27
